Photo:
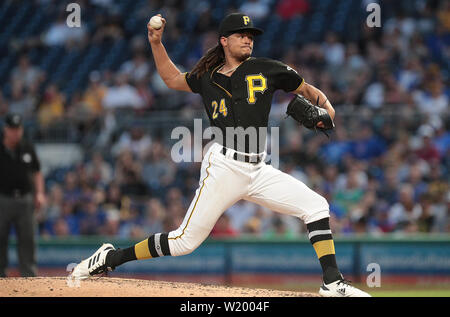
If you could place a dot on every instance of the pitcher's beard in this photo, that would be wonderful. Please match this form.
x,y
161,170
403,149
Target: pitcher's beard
x,y
244,56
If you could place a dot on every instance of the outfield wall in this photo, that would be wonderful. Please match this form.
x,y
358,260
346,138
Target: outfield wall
x,y
407,259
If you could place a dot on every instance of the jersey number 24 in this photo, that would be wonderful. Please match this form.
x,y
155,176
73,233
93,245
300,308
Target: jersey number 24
x,y
219,108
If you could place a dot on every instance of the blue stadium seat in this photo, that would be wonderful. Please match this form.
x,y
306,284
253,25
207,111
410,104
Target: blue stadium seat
x,y
16,23
34,25
80,77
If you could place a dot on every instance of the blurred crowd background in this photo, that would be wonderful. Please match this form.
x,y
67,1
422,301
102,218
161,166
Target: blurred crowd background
x,y
385,169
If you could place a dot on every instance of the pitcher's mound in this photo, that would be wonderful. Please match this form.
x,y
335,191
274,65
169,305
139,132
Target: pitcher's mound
x,y
120,287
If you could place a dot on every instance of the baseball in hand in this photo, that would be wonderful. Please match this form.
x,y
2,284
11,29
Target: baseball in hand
x,y
156,22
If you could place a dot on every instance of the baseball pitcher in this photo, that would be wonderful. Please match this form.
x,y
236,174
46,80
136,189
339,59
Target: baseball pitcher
x,y
237,91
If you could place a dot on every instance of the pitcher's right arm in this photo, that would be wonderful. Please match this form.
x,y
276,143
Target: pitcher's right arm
x,y
169,73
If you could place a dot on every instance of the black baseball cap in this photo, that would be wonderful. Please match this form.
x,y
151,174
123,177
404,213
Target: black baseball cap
x,y
13,120
237,22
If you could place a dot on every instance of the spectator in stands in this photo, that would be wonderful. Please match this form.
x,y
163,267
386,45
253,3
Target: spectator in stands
x,y
288,9
171,222
174,197
427,151
312,59
111,227
51,109
173,99
334,50
366,144
26,75
92,218
330,87
427,218
204,23
145,92
94,94
128,175
3,104
122,95
113,199
354,69
23,101
60,33
374,94
131,223
53,208
25,83
99,170
66,223
340,145
134,139
388,190
304,155
330,177
437,43
70,217
252,227
443,15
295,171
437,185
379,222
108,127
260,222
109,28
360,213
158,168
136,69
105,4
154,215
411,73
240,213
394,93
442,141
433,100
61,228
351,194
280,229
223,228
257,8
338,213
438,199
404,214
72,191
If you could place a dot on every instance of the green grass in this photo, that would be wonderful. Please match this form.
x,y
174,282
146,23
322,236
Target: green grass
x,y
410,293
387,290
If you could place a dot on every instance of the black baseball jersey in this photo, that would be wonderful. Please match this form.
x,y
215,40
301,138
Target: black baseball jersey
x,y
243,100
17,168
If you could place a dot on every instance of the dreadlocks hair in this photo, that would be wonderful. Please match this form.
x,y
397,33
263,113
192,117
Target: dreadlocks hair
x,y
213,58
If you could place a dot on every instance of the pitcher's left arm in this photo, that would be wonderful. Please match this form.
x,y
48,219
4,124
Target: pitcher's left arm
x,y
317,97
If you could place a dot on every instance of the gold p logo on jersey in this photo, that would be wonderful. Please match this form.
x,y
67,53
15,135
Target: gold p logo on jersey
x,y
246,19
255,83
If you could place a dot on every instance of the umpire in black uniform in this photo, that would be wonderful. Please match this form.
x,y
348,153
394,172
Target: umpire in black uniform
x,y
21,191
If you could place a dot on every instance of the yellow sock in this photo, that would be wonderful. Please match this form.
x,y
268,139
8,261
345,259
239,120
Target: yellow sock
x,y
142,251
324,247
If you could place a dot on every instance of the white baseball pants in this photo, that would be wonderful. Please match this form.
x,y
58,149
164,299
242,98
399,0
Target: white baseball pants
x,y
224,181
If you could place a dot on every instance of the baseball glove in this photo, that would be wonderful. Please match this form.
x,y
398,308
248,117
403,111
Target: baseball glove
x,y
308,115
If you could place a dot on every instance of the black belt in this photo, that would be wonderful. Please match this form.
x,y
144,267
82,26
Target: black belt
x,y
250,158
15,194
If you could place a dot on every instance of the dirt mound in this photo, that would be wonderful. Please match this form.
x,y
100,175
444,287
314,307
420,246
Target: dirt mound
x,y
120,287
